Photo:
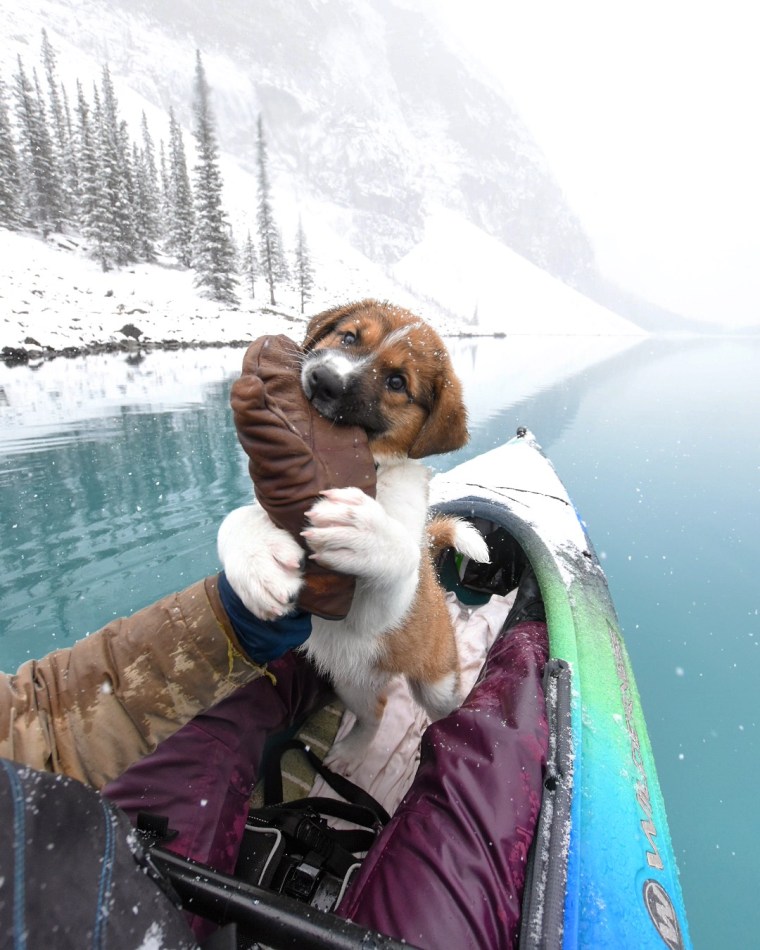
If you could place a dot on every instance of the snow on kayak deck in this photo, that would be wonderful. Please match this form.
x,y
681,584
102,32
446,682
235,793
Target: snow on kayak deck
x,y
518,475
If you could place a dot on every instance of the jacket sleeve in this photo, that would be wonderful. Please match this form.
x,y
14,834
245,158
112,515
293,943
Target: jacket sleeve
x,y
92,709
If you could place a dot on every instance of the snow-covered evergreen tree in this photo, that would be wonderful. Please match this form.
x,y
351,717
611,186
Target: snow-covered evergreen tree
x,y
282,270
249,264
143,207
116,172
150,159
56,107
60,140
179,198
40,178
95,213
163,179
10,178
164,196
304,271
146,198
70,160
270,244
213,248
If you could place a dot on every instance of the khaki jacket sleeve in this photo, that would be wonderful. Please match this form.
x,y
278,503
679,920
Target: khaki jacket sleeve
x,y
92,709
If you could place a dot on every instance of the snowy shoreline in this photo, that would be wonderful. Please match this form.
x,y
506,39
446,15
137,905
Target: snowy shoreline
x,y
56,302
79,344
31,352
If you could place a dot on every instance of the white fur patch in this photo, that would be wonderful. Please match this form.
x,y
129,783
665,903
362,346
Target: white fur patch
x,y
400,334
262,562
468,540
340,363
437,699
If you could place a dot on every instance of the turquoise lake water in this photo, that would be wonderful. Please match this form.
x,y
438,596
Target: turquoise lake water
x,y
115,473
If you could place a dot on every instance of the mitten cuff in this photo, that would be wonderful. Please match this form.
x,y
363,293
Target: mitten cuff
x,y
262,640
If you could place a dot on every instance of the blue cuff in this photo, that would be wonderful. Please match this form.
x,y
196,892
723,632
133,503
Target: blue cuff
x,y
262,640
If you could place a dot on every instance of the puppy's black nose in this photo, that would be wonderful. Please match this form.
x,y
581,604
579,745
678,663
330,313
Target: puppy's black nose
x,y
323,382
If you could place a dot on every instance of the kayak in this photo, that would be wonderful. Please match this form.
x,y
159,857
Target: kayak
x,y
535,816
604,872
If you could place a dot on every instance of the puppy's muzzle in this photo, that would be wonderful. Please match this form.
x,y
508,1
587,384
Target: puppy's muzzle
x,y
331,392
337,388
322,384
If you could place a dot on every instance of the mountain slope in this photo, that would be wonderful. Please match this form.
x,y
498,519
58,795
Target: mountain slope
x,y
366,109
500,290
373,124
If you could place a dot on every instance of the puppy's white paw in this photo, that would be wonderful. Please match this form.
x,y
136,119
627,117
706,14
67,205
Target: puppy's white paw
x,y
345,759
263,563
348,753
351,532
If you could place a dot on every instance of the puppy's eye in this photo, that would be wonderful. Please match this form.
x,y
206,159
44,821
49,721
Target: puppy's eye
x,y
396,382
348,338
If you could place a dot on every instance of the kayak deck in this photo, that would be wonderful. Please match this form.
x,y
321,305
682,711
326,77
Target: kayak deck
x,y
619,882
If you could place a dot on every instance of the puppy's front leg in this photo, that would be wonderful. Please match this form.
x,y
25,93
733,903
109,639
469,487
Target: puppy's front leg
x,y
262,562
353,533
367,703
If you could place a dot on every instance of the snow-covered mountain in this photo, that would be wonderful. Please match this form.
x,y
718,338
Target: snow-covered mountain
x,y
400,158
495,287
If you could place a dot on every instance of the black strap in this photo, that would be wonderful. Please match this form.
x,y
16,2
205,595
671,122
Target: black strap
x,y
338,783
303,820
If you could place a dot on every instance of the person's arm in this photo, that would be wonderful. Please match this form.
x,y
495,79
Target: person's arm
x,y
92,709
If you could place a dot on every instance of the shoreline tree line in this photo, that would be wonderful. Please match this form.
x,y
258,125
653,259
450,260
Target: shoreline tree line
x,y
71,165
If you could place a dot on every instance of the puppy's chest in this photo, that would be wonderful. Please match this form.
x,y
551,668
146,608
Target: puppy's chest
x,y
402,492
343,651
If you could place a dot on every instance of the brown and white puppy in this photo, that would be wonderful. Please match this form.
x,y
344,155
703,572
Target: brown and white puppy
x,y
386,370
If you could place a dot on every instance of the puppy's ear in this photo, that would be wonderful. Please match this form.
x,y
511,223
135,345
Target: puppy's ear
x,y
445,429
323,323
320,326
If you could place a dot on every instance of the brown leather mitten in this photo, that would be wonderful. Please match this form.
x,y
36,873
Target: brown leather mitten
x,y
294,454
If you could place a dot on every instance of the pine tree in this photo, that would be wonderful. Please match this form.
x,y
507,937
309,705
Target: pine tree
x,y
95,216
71,165
116,173
249,264
145,199
150,159
60,141
39,172
143,207
165,208
179,198
281,269
82,145
163,179
10,177
270,245
213,248
304,270
56,108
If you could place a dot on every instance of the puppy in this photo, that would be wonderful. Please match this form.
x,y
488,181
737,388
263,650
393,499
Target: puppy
x,y
381,368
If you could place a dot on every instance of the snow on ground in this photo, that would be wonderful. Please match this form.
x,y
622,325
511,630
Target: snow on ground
x,y
53,294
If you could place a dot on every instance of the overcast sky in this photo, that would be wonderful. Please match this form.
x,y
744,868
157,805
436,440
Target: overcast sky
x,y
649,115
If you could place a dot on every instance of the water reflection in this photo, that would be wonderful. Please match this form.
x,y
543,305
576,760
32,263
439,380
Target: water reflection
x,y
110,514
